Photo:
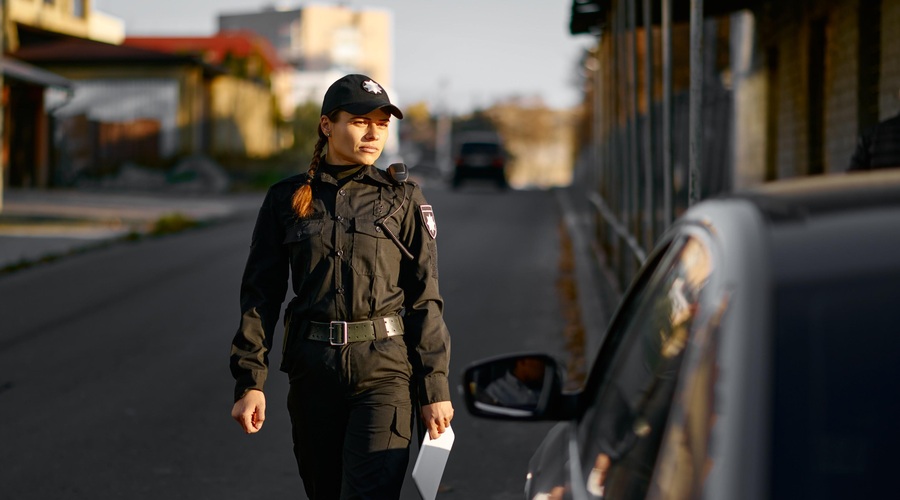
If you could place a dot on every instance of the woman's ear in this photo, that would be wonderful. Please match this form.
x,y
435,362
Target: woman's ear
x,y
325,125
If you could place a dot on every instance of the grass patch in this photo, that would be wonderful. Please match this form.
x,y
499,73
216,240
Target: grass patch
x,y
172,223
573,329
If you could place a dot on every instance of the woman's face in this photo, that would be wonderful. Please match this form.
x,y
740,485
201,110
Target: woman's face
x,y
355,139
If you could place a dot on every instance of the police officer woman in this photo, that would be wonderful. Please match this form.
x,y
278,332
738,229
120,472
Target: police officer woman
x,y
358,246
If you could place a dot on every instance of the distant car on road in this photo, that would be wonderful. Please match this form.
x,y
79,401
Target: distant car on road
x,y
480,157
757,355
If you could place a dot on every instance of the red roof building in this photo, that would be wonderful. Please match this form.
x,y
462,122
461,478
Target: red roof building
x,y
218,49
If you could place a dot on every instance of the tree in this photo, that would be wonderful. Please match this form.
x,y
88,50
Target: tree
x,y
306,124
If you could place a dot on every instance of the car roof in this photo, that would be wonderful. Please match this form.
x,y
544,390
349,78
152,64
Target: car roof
x,y
818,227
818,196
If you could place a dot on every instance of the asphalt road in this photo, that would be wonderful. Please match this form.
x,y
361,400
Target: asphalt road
x,y
114,375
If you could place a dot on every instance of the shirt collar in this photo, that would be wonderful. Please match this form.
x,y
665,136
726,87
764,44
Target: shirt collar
x,y
367,171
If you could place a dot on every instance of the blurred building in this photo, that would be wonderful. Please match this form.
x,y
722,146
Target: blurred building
x,y
153,101
26,146
323,42
82,100
250,101
127,104
32,21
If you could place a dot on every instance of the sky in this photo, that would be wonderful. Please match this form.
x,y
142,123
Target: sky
x,y
454,54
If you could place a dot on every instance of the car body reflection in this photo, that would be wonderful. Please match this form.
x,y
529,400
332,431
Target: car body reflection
x,y
754,356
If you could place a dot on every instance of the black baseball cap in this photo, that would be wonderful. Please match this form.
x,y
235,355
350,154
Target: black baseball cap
x,y
358,95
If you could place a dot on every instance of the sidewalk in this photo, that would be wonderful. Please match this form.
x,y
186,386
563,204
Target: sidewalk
x,y
597,296
39,224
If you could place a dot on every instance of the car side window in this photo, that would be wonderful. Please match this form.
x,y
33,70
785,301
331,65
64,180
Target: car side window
x,y
623,427
682,464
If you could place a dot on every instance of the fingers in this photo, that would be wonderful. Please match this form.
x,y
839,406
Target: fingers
x,y
246,418
436,428
259,416
250,412
437,417
246,422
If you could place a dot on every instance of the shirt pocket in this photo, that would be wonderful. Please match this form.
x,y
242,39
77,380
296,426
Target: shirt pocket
x,y
374,253
304,241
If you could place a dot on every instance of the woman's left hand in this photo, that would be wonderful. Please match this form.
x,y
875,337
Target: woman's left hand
x,y
437,417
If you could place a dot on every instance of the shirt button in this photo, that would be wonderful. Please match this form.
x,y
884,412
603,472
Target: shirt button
x,y
378,228
340,253
339,218
342,192
340,290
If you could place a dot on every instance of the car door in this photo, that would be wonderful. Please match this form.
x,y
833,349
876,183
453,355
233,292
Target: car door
x,y
629,394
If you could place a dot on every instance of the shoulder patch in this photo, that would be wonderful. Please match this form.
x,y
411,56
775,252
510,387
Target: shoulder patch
x,y
428,220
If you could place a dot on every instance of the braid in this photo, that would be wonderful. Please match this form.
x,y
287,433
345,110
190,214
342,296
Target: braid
x,y
302,200
303,197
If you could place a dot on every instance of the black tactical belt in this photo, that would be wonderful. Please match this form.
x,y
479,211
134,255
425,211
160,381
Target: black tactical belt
x,y
342,332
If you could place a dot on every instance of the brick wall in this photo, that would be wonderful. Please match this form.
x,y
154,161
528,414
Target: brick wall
x,y
791,104
808,78
751,95
889,104
841,86
789,30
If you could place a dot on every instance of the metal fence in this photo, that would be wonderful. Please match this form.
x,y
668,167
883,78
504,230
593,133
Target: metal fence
x,y
651,139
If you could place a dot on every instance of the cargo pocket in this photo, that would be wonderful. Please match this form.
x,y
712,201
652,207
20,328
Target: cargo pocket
x,y
374,254
402,425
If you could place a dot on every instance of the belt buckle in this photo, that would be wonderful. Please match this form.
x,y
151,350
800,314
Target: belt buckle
x,y
390,326
339,328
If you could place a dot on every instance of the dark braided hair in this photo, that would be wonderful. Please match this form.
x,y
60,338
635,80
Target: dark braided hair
x,y
302,199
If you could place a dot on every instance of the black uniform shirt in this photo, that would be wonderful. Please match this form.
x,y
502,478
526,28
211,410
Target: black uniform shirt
x,y
343,267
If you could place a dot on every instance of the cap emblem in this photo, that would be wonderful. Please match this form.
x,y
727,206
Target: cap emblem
x,y
371,87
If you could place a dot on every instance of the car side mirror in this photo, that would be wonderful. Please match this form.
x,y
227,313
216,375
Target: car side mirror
x,y
518,387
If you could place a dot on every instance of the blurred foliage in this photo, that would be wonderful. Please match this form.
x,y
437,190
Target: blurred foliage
x,y
306,126
478,121
418,126
252,174
523,120
172,223
541,140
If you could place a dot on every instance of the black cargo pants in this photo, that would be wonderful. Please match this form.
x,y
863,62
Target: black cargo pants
x,y
351,414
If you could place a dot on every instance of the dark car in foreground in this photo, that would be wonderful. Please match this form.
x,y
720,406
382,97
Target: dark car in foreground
x,y
756,355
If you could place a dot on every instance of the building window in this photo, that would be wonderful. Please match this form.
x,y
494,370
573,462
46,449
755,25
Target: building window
x,y
78,8
346,49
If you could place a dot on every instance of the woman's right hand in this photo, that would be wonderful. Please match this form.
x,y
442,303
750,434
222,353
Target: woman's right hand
x,y
250,411
437,417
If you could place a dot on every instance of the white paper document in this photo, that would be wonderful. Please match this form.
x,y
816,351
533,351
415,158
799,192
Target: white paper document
x,y
430,464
